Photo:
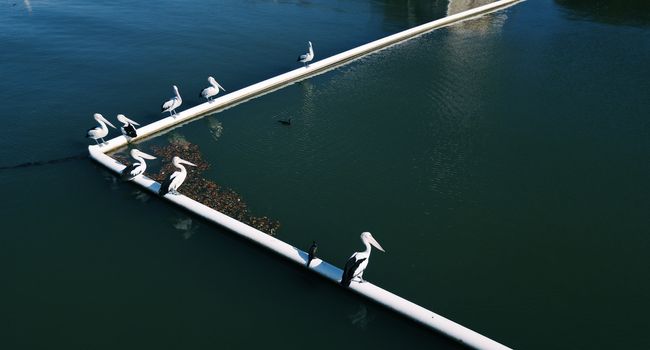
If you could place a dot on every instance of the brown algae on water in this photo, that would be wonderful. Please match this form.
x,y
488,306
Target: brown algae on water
x,y
201,189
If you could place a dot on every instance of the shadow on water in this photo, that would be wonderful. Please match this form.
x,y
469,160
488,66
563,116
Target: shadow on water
x,y
631,12
45,162
415,11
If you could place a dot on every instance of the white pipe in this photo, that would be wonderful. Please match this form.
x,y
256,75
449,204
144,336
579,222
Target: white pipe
x,y
325,269
315,68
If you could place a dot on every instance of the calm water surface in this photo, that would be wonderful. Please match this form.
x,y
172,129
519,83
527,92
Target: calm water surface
x,y
503,163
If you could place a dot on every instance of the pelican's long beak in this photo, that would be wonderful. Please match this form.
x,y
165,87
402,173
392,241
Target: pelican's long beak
x,y
123,119
183,161
107,122
221,87
376,244
145,155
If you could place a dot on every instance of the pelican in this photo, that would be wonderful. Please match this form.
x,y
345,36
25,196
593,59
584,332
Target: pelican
x,y
359,261
101,131
128,129
138,167
173,103
212,90
312,253
306,58
175,180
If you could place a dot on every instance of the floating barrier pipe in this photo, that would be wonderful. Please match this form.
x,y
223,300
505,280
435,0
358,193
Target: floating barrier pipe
x,y
325,269
314,68
426,317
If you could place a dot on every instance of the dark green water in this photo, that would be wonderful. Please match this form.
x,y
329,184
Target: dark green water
x,y
503,164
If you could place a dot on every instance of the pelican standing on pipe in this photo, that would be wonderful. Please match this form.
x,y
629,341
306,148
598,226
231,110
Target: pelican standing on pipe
x,y
172,103
175,180
128,127
306,58
101,131
138,167
359,261
212,90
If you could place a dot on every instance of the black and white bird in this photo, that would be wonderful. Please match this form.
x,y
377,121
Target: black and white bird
x,y
175,180
101,131
306,58
211,90
128,126
312,253
359,261
172,103
138,167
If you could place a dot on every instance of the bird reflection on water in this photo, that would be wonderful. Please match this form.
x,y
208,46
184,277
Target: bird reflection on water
x,y
215,127
186,226
140,196
360,318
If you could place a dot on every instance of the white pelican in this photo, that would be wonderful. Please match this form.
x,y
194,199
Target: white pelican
x,y
312,253
175,180
306,58
138,167
128,128
212,90
359,261
101,131
172,103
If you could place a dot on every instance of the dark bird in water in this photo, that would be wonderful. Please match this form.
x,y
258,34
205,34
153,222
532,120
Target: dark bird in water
x,y
359,261
285,121
312,252
138,167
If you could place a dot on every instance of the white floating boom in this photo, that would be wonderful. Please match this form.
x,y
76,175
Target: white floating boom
x,y
315,68
327,270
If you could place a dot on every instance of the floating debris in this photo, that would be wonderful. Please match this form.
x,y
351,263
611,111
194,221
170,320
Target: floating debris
x,y
205,191
197,187
122,158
